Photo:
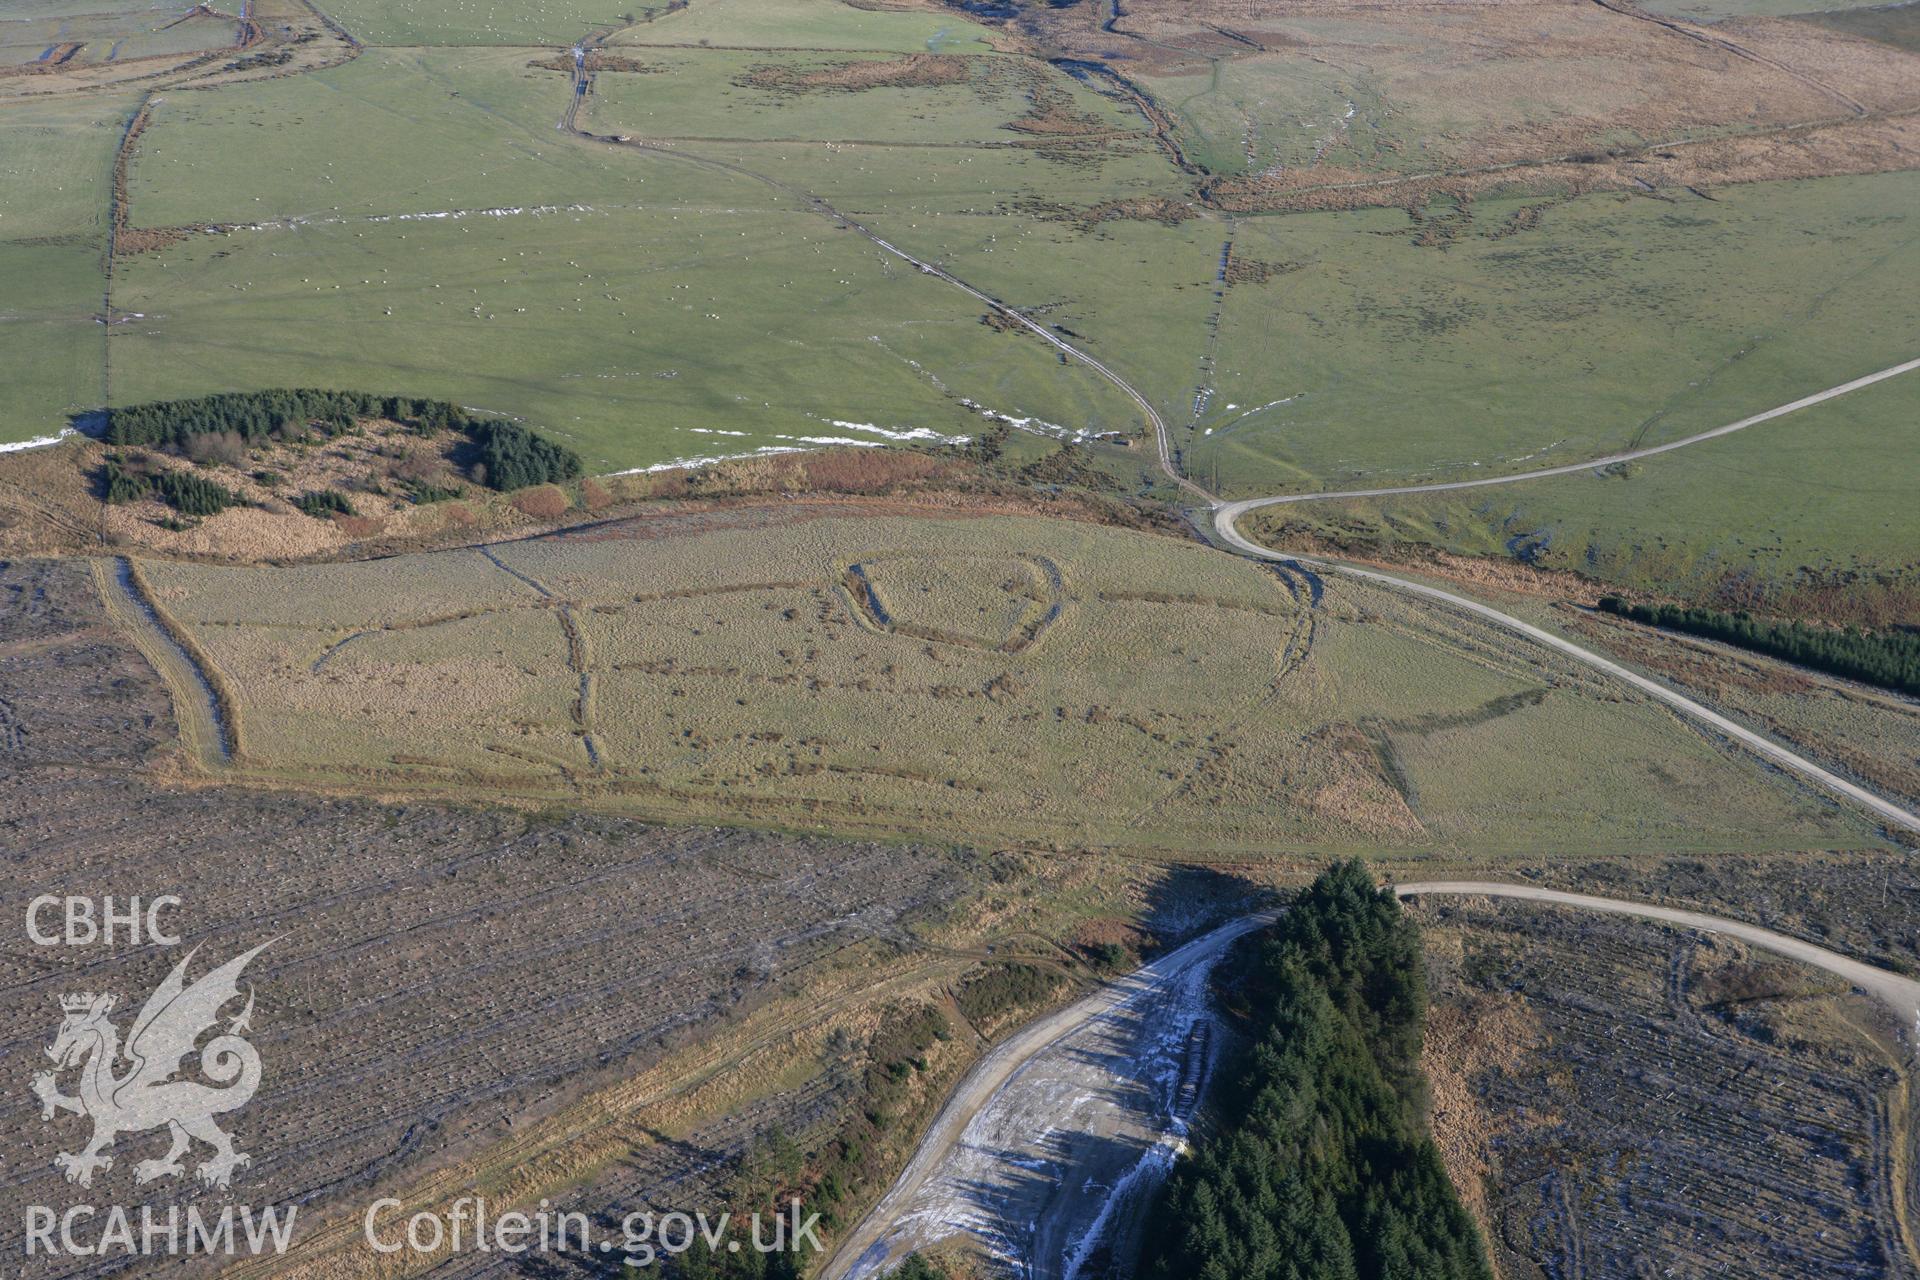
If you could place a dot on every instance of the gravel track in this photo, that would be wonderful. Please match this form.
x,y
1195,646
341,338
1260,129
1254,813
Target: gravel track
x,y
1767,749
1060,1128
1234,510
1900,994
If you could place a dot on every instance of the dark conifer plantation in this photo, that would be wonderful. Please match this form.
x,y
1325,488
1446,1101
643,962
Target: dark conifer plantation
x,y
1890,659
1322,1168
512,457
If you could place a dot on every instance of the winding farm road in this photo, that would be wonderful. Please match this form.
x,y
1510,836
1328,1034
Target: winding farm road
x,y
1225,514
1053,1137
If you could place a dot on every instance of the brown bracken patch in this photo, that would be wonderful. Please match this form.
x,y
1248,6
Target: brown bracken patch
x,y
1816,150
1051,112
1467,1038
132,240
1161,209
1353,787
542,502
1254,271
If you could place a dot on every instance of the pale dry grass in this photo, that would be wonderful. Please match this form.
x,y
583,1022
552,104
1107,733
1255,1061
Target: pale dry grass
x,y
1027,682
982,601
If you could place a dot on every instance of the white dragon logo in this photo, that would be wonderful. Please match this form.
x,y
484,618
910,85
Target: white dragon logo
x,y
146,1096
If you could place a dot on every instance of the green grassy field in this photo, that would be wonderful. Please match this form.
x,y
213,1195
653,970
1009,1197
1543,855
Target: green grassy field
x,y
1001,680
43,10
1866,731
56,174
472,130
1133,293
481,22
1894,24
55,344
608,330
413,220
1775,512
811,24
396,131
758,23
643,308
56,167
1615,321
706,95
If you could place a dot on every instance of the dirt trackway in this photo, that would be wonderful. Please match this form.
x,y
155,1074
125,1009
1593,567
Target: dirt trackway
x,y
1225,514
1234,510
914,1213
569,123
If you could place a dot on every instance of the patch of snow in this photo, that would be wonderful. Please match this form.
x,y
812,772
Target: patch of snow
x,y
912,433
1272,404
679,464
835,440
1037,426
434,215
38,442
